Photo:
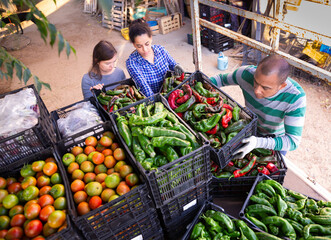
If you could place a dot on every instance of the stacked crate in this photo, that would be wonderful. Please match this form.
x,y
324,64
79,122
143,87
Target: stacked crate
x,y
117,17
211,39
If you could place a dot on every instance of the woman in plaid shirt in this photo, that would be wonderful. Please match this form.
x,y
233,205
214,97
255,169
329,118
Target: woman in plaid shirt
x,y
149,63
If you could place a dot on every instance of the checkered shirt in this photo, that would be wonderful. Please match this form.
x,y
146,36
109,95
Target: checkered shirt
x,y
149,77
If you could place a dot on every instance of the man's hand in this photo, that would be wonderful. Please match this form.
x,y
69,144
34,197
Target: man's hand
x,y
250,144
178,70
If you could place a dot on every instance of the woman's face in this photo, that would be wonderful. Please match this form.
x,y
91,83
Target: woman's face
x,y
143,44
108,66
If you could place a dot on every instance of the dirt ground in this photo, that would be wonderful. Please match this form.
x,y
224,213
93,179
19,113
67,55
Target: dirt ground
x,y
83,31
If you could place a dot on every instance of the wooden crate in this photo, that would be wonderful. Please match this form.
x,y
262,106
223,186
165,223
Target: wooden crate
x,y
116,19
155,30
170,23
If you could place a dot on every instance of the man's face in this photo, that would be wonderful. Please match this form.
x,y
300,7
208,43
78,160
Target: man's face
x,y
266,86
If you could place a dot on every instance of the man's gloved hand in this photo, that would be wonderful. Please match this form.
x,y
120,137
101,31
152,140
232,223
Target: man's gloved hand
x,y
250,144
178,70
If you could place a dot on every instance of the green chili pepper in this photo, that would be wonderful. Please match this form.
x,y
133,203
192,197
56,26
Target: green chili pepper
x,y
218,236
207,124
223,219
160,160
197,229
281,206
185,150
165,123
223,137
301,203
158,107
171,117
274,230
185,106
189,136
150,131
321,219
297,226
169,152
199,109
102,101
261,209
290,199
284,225
230,136
147,110
325,211
257,199
257,222
213,225
122,100
137,150
263,195
322,203
202,91
316,229
311,204
296,194
305,221
136,93
115,92
242,235
247,231
236,126
235,113
266,188
262,151
294,214
124,130
277,187
173,141
144,141
140,121
147,164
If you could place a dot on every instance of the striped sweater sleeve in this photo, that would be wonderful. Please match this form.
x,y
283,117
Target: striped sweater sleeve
x,y
226,79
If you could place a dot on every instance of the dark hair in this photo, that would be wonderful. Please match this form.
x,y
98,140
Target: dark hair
x,y
275,64
104,50
137,28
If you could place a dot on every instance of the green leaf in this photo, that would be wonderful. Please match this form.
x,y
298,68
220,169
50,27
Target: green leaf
x,y
73,50
53,31
37,83
42,29
68,49
26,75
18,68
60,43
9,68
46,85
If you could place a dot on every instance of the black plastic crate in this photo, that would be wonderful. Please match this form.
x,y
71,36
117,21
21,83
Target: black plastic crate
x,y
27,142
224,155
128,81
184,204
223,187
190,170
63,112
13,170
221,46
104,222
208,205
174,86
209,13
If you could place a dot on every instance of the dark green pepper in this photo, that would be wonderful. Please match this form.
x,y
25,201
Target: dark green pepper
x,y
296,194
277,187
317,229
281,206
223,175
171,117
165,123
160,160
266,236
151,131
144,141
115,92
169,152
102,101
230,136
262,151
297,226
266,188
274,230
197,229
261,209
224,220
256,199
185,106
321,219
257,222
213,225
185,150
236,126
147,110
158,107
240,163
207,124
325,211
199,109
204,92
137,150
247,231
311,204
135,120
284,225
172,141
294,214
189,136
235,113
147,164
124,130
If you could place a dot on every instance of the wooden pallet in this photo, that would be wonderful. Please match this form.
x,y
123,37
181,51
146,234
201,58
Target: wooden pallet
x,y
117,18
90,6
170,23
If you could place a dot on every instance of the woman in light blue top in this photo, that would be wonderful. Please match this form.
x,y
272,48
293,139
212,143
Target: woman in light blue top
x,y
103,70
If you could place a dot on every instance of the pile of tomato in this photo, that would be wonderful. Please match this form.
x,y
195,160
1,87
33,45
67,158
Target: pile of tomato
x,y
98,172
33,205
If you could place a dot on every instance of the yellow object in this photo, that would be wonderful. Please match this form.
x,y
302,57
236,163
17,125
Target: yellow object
x,y
125,33
318,56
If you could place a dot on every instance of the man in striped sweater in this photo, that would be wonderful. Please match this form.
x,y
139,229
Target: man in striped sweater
x,y
278,101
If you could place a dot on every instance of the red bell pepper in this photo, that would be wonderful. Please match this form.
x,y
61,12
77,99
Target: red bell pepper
x,y
272,167
227,107
226,118
263,170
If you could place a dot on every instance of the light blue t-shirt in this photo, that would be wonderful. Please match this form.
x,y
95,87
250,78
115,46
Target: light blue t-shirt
x,y
88,82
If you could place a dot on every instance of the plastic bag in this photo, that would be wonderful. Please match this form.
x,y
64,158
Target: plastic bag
x,y
18,112
82,116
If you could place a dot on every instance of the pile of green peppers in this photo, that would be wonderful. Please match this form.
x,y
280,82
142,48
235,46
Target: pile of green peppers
x,y
203,108
121,96
286,213
155,136
216,225
169,83
258,161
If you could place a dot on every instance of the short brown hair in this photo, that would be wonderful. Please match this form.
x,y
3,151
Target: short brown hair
x,y
275,64
137,28
104,50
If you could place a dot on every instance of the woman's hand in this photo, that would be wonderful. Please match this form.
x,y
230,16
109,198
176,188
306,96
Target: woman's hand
x,y
97,87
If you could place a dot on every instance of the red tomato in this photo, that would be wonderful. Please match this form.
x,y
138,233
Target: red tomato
x,y
32,211
17,221
33,228
95,202
3,233
45,200
14,187
45,212
14,233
